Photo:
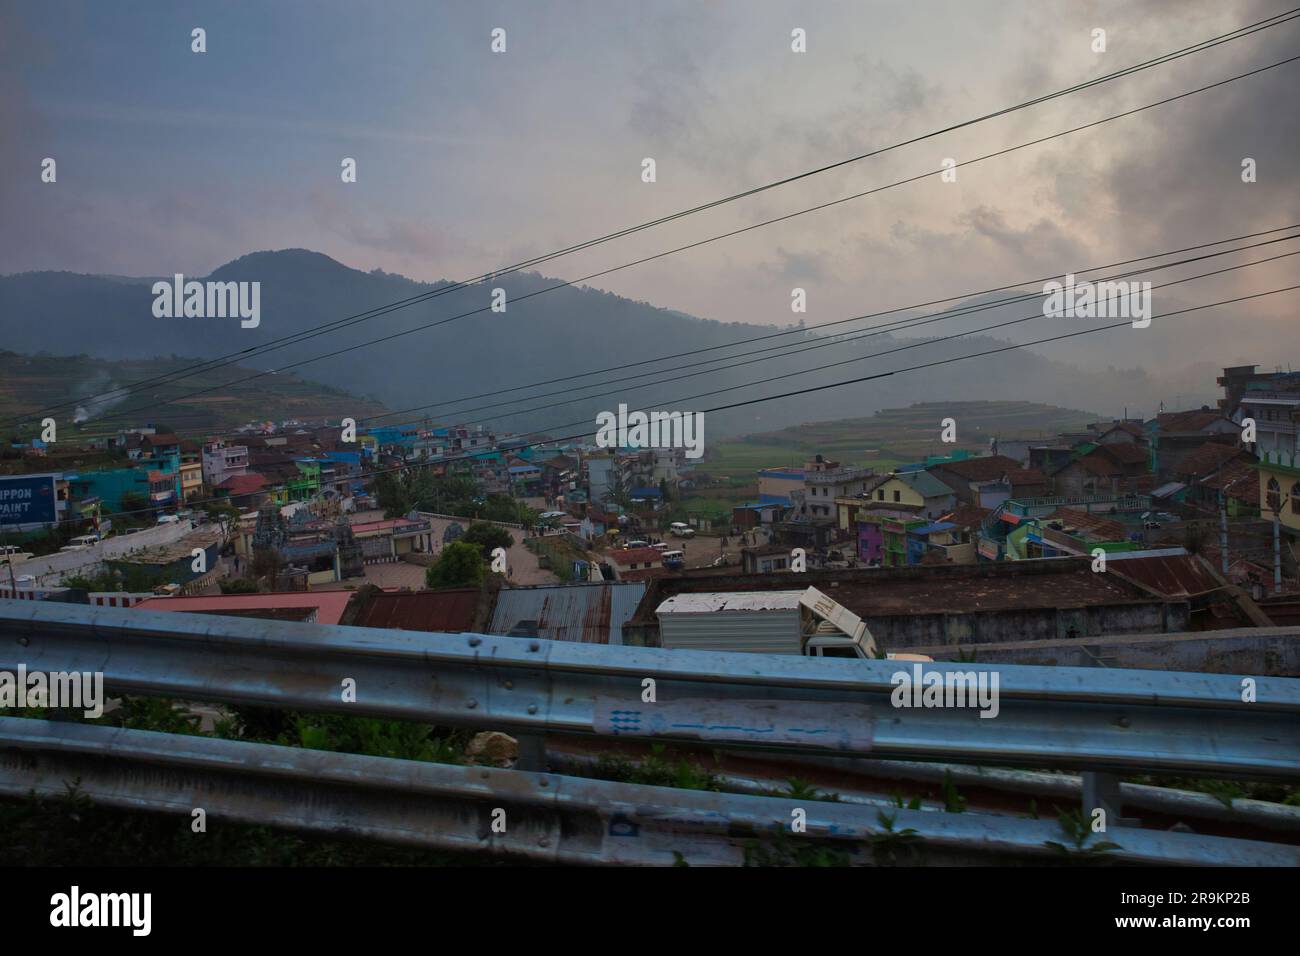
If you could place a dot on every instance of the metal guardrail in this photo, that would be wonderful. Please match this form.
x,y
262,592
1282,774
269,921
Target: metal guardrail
x,y
544,816
1081,718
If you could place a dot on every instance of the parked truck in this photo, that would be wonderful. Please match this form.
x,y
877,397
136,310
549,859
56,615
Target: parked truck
x,y
805,622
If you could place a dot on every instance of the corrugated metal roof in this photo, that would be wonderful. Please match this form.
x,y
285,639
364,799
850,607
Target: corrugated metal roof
x,y
731,601
1174,576
450,609
585,613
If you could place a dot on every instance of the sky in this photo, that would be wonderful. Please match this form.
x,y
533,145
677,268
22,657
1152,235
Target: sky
x,y
468,160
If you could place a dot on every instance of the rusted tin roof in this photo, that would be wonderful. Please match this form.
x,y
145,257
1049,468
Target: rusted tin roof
x,y
1174,576
449,609
587,613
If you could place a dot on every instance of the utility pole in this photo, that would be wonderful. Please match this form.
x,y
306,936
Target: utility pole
x,y
1277,552
1223,533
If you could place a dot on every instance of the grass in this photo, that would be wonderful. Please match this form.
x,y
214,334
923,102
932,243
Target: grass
x,y
891,437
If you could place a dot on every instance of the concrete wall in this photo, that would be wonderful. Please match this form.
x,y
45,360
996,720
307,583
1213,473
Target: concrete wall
x,y
1273,652
50,568
910,631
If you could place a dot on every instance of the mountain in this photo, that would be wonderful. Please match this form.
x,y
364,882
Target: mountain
x,y
31,384
470,364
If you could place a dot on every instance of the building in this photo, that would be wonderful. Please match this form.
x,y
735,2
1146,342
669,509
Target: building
x,y
626,563
312,607
956,604
222,461
990,480
33,502
1175,435
1068,531
919,489
776,484
824,481
1279,489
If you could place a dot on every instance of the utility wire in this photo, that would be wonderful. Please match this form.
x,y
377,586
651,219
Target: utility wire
x,y
294,338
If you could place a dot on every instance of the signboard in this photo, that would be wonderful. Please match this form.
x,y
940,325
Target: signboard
x,y
27,500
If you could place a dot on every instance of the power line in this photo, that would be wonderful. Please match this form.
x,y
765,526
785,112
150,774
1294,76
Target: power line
x,y
768,398
886,328
730,234
337,324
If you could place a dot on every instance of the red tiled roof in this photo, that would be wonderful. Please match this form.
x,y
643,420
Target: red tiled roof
x,y
968,516
991,468
1123,454
1193,421
1208,458
243,484
329,605
1133,428
1104,529
1098,465
1237,480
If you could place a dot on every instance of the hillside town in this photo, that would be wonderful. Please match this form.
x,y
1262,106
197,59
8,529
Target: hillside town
x,y
1193,515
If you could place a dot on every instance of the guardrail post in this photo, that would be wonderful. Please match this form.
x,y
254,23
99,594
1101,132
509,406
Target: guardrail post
x,y
1101,792
532,753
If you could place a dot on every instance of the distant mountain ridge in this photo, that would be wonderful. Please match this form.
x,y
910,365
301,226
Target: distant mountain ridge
x,y
570,330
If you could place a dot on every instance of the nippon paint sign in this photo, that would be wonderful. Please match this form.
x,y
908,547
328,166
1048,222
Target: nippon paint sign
x,y
27,500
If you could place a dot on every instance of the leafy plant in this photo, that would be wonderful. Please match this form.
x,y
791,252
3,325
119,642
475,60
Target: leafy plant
x,y
1078,832
953,802
889,845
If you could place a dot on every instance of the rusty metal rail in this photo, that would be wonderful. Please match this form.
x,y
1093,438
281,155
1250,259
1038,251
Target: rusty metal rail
x,y
1080,718
521,815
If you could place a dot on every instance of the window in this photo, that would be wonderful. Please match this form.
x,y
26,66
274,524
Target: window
x,y
1295,498
1274,496
838,652
898,496
880,494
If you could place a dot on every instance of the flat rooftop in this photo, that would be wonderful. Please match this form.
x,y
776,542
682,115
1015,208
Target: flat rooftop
x,y
954,589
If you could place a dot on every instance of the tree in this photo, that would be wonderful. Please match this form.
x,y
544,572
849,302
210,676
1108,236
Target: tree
x,y
134,501
238,586
459,565
488,537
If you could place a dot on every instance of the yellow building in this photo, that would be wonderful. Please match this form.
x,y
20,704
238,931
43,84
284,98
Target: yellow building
x,y
1279,488
191,479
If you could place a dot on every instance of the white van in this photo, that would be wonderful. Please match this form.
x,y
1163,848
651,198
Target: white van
x,y
680,529
168,519
85,540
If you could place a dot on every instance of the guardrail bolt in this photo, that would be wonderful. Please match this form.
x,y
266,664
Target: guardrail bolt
x,y
532,708
533,645
23,641
472,703
475,641
509,685
1123,721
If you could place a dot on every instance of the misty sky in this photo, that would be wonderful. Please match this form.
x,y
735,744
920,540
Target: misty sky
x,y
171,161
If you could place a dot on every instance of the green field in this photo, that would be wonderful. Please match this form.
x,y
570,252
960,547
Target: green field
x,y
889,438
